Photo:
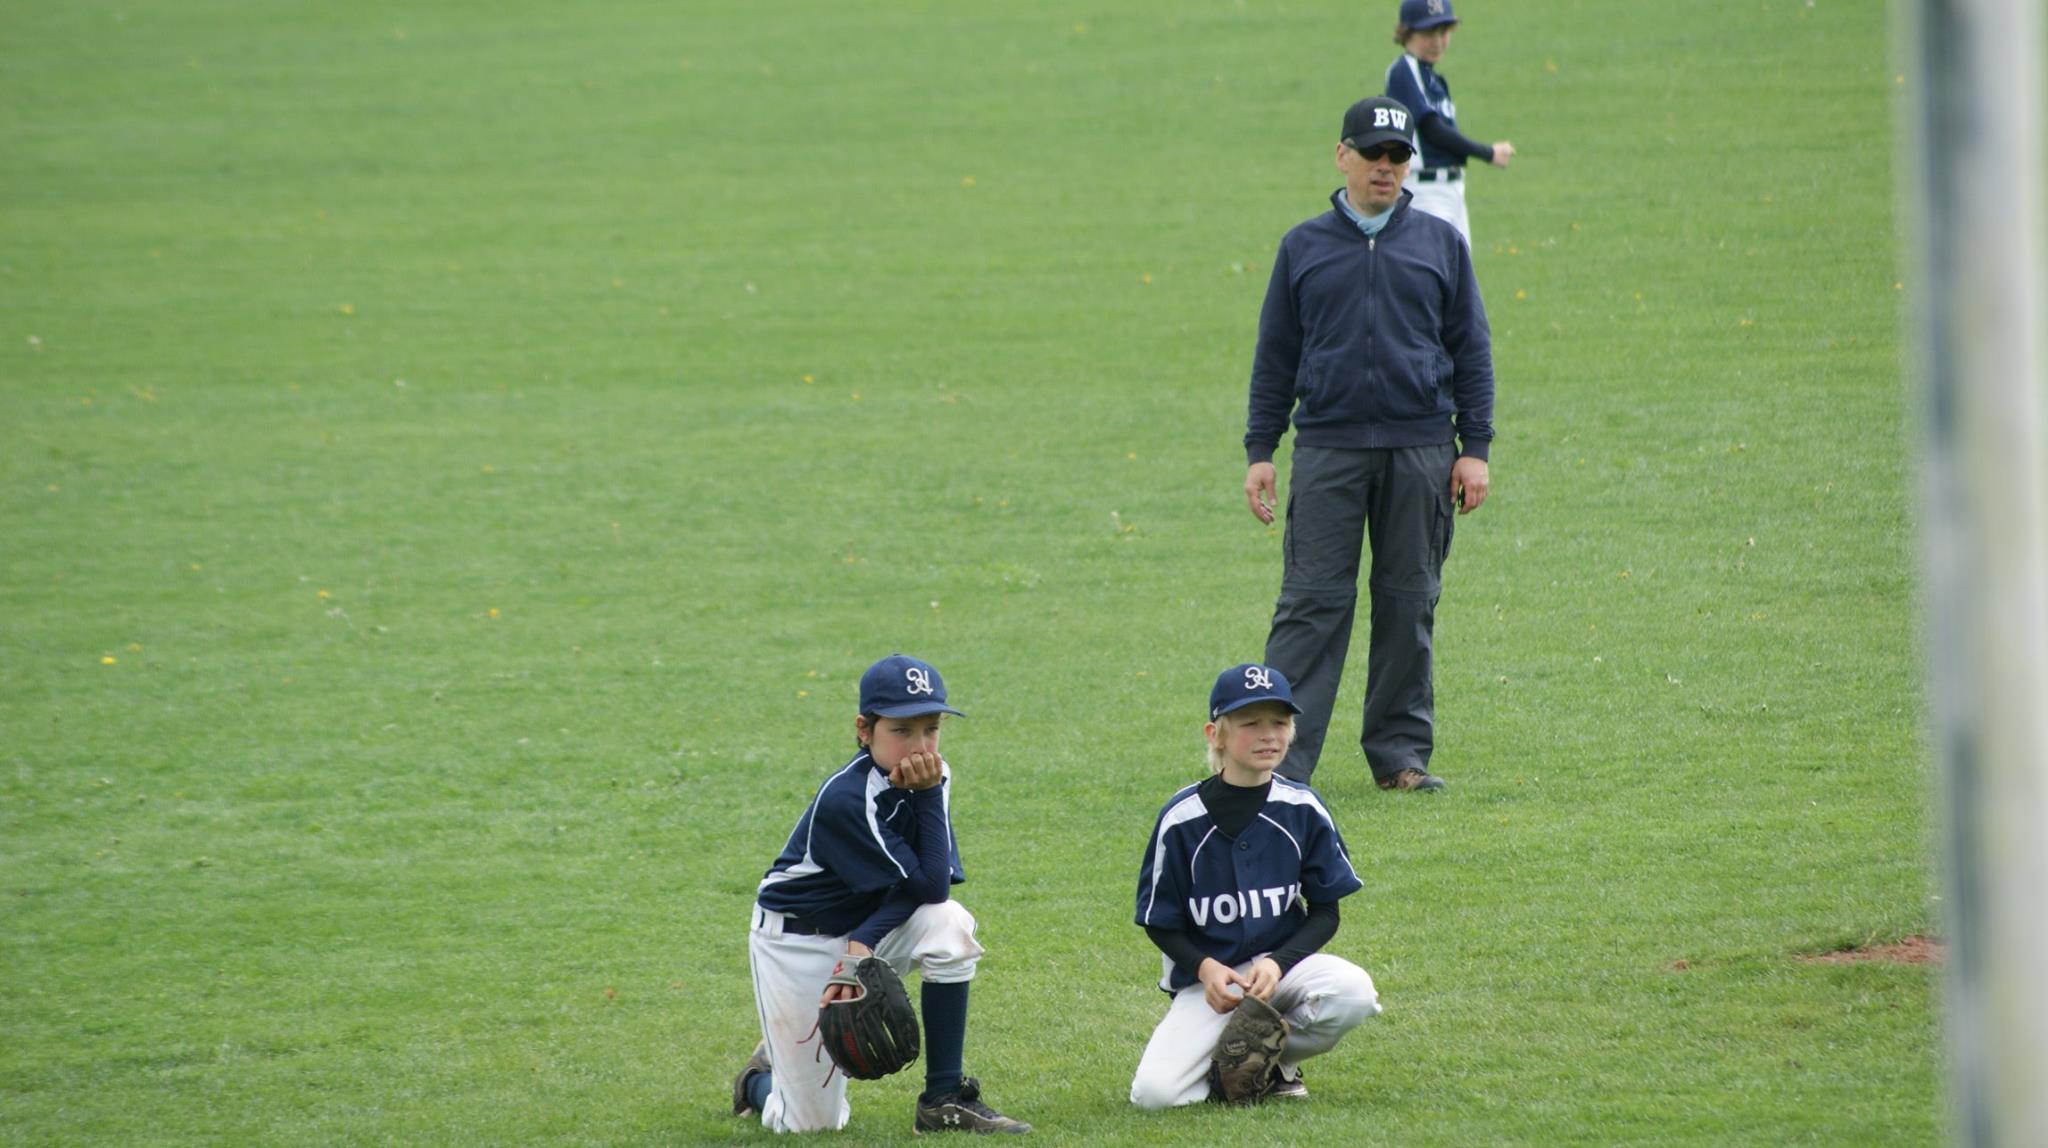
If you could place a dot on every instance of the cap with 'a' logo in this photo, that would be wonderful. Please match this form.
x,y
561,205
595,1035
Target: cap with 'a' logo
x,y
901,686
1249,684
1378,120
1425,14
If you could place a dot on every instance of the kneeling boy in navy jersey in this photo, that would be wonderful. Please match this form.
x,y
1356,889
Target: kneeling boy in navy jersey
x,y
1239,889
868,871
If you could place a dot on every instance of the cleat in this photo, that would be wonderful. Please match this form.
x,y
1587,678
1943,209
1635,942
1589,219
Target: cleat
x,y
756,1065
1286,1086
963,1111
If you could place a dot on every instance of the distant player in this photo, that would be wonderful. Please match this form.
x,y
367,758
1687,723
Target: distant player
x,y
1239,889
1437,178
868,870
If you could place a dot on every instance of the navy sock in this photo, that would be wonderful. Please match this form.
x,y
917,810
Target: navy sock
x,y
757,1090
945,1035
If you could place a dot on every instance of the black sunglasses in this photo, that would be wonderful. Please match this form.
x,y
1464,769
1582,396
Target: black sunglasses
x,y
1398,153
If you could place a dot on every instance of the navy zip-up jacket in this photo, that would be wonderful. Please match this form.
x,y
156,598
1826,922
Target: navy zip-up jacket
x,y
1372,342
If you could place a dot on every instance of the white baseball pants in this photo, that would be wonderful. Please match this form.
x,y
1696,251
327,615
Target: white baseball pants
x,y
1446,201
1322,998
808,1093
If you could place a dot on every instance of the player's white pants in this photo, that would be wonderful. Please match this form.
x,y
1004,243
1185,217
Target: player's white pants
x,y
789,974
1322,998
1446,201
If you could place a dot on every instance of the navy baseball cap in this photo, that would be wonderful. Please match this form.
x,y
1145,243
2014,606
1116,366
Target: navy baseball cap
x,y
1378,120
901,686
1423,14
1249,684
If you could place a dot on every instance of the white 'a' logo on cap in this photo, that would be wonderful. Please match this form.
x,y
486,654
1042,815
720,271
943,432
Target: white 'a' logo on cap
x,y
1390,117
916,681
1256,678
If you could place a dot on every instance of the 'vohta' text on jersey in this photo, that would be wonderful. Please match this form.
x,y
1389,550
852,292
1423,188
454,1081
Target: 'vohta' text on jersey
x,y
1228,907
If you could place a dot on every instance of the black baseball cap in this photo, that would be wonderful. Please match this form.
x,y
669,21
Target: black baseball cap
x,y
901,686
1424,14
1381,119
1249,684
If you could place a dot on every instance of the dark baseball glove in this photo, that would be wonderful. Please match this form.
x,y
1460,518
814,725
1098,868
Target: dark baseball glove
x,y
1241,1068
875,1033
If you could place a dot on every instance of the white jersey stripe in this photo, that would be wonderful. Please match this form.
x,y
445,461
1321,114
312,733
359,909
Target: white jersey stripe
x,y
877,782
1297,794
1415,70
1186,809
1283,833
805,867
1197,854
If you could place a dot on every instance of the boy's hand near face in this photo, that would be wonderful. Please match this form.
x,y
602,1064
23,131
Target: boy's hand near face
x,y
917,771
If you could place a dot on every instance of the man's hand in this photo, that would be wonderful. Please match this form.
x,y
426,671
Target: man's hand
x,y
1468,483
1502,153
918,771
1259,485
854,952
1216,978
1264,979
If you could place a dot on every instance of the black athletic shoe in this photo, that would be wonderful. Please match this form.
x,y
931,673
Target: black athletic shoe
x,y
963,1111
1414,779
756,1065
1285,1087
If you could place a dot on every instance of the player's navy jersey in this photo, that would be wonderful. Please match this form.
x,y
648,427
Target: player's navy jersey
x,y
854,843
1417,85
1238,898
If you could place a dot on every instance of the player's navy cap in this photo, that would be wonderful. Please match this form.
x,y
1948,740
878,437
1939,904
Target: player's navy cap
x,y
1424,14
901,686
1378,120
1249,684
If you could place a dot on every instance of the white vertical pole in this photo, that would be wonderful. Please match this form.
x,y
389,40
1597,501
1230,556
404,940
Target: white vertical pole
x,y
1972,148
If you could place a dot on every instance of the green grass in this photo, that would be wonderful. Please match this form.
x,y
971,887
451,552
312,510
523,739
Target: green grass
x,y
489,445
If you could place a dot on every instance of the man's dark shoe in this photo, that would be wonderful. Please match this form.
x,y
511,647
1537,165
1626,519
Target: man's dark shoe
x,y
1413,779
756,1065
963,1111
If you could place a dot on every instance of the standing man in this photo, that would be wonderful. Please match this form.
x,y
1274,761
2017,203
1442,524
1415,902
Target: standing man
x,y
1438,175
1374,343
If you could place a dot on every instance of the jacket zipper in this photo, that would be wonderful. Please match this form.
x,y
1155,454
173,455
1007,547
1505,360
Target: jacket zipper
x,y
1372,246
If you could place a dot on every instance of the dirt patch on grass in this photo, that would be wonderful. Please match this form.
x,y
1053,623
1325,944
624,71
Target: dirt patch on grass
x,y
1913,950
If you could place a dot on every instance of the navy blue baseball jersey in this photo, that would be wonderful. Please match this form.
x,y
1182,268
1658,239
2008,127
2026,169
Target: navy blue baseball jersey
x,y
1417,85
857,840
1239,898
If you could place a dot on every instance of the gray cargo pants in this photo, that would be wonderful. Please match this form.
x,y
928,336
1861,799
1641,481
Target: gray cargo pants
x,y
1398,500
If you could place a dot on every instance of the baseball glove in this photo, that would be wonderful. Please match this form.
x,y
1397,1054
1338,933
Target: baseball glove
x,y
1241,1069
875,1033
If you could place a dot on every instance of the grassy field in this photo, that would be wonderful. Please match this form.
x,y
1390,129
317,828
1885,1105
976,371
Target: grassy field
x,y
454,463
